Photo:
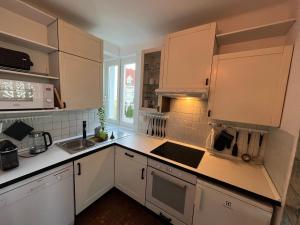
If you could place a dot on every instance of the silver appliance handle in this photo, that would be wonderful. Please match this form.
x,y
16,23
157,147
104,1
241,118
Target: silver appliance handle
x,y
183,186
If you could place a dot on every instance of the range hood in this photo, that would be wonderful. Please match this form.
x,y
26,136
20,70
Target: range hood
x,y
181,93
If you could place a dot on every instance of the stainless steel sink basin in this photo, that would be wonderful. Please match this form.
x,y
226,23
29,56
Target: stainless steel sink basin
x,y
75,145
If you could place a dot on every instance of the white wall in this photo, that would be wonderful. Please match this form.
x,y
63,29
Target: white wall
x,y
282,146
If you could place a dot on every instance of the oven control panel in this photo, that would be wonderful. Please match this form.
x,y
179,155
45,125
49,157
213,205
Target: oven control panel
x,y
172,171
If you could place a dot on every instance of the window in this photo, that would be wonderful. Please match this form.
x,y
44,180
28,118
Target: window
x,y
111,88
119,86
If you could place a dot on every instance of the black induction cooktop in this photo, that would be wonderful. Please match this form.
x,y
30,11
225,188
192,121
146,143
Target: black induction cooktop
x,y
179,153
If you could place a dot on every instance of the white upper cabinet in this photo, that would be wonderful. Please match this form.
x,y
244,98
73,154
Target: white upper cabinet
x,y
80,82
249,87
77,42
188,58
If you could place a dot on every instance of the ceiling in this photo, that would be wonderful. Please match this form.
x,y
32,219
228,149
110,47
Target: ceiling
x,y
128,22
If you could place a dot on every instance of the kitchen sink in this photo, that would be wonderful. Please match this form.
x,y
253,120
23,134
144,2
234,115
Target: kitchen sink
x,y
79,144
75,145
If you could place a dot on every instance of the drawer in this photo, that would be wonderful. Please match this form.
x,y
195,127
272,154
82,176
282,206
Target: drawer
x,y
121,152
160,212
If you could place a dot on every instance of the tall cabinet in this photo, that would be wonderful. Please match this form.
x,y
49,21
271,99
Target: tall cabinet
x,y
79,63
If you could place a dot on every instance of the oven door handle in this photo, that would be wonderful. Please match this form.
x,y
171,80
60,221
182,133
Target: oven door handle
x,y
183,186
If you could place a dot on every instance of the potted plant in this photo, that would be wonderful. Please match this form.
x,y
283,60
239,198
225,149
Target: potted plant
x,y
100,132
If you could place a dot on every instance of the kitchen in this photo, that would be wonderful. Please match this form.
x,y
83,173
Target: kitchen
x,y
144,113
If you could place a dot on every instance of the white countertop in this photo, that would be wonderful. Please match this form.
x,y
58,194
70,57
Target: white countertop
x,y
252,178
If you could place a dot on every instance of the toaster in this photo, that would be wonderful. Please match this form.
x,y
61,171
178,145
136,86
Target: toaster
x,y
8,155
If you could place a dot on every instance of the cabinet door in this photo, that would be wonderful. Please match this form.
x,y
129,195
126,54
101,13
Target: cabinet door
x,y
249,87
77,42
94,176
130,175
188,58
80,82
215,206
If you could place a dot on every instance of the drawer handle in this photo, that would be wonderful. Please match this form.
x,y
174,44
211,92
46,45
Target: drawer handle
x,y
164,218
143,176
129,155
79,169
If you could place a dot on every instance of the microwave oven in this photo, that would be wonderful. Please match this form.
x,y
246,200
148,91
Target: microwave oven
x,y
18,95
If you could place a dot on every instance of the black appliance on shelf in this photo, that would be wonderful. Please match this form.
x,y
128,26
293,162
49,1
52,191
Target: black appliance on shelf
x,y
11,59
8,155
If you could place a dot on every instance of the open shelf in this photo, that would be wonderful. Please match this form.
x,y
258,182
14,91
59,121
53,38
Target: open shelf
x,y
3,71
11,38
278,28
31,111
27,11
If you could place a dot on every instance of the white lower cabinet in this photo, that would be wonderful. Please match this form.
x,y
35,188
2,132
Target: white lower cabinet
x,y
130,174
94,176
215,206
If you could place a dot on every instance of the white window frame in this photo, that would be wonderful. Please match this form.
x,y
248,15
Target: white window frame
x,y
121,62
106,66
124,61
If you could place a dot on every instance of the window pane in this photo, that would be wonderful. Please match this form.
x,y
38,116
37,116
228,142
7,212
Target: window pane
x,y
128,92
112,92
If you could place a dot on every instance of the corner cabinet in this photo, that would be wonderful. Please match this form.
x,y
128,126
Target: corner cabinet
x,y
130,174
249,87
188,58
80,82
94,176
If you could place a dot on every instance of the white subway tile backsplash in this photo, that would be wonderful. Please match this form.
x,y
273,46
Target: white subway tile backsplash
x,y
56,125
59,124
187,122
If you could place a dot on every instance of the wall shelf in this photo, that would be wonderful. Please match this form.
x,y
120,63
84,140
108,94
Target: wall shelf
x,y
27,11
14,39
31,111
278,28
3,71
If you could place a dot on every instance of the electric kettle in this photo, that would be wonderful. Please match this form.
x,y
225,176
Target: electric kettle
x,y
39,141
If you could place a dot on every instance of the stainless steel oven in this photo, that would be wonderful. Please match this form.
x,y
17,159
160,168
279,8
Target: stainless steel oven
x,y
171,190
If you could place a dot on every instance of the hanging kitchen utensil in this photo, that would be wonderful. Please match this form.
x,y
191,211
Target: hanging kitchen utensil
x,y
153,123
161,127
156,131
18,130
261,138
246,157
235,149
149,121
158,127
165,124
223,141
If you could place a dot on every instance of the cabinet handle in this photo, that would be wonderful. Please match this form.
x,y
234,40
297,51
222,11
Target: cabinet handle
x,y
198,198
79,169
206,81
209,113
164,218
143,176
129,155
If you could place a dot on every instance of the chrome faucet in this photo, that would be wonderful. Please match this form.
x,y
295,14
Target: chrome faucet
x,y
84,130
